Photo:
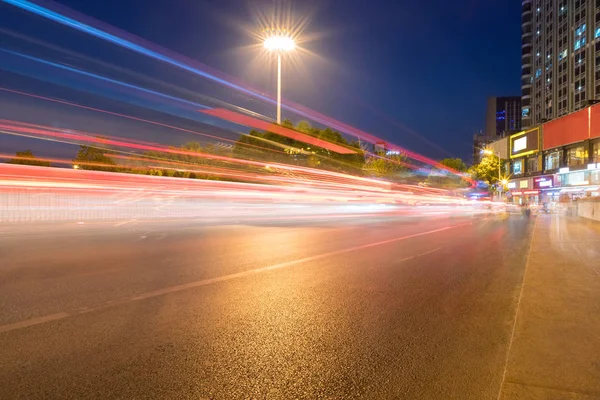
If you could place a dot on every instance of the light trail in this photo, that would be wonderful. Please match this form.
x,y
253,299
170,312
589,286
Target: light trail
x,y
102,141
139,120
57,13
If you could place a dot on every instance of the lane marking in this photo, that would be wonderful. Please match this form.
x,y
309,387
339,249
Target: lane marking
x,y
204,282
514,328
33,321
125,222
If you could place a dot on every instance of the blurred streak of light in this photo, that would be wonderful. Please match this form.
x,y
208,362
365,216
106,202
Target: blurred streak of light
x,y
11,127
137,119
128,186
280,130
130,44
178,101
400,125
141,46
127,72
249,145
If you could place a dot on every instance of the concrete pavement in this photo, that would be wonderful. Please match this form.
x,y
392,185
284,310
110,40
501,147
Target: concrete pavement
x,y
555,350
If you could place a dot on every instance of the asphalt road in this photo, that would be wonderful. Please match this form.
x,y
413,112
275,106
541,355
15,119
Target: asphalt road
x,y
375,309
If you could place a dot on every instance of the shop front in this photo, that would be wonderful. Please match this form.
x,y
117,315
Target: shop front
x,y
521,191
579,184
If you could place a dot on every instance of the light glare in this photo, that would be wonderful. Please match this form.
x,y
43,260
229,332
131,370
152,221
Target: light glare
x,y
279,43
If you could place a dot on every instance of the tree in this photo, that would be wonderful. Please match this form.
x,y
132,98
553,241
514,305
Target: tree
x,y
386,166
486,170
27,158
454,163
269,146
94,158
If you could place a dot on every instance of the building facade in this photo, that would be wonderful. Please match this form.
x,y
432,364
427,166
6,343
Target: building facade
x,y
503,116
560,43
558,160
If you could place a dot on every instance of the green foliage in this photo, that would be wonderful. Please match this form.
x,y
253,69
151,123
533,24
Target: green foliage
x,y
27,158
94,158
486,170
386,166
269,146
454,163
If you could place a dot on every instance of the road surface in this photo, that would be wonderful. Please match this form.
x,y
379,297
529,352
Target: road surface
x,y
418,308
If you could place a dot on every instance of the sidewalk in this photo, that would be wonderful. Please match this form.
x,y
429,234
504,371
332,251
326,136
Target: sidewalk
x,y
555,348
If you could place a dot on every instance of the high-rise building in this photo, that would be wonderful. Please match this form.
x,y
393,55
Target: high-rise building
x,y
503,116
560,57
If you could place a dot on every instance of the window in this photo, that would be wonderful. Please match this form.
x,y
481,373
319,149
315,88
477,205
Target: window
x,y
518,167
538,73
525,112
577,156
596,152
563,54
552,161
532,164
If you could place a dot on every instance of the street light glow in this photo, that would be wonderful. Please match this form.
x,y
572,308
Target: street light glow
x,y
279,43
488,152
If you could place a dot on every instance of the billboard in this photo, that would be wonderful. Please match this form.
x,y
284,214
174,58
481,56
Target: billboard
x,y
525,143
543,182
569,129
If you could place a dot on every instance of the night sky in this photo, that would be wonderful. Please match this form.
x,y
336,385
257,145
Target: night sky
x,y
398,69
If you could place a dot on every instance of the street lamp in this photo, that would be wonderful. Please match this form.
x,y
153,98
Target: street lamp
x,y
280,42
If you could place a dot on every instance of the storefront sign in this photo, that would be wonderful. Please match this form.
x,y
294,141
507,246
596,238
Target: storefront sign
x,y
525,143
543,182
512,185
523,184
530,192
520,144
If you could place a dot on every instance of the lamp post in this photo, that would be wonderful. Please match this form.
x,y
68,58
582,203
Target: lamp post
x,y
280,42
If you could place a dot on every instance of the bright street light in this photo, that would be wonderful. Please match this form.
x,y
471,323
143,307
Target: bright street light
x,y
279,42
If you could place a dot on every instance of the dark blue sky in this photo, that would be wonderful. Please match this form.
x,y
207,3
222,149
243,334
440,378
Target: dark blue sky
x,y
429,66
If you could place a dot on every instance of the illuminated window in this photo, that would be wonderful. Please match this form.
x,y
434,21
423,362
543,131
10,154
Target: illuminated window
x,y
577,156
596,152
518,167
538,73
525,112
597,34
553,161
577,44
562,55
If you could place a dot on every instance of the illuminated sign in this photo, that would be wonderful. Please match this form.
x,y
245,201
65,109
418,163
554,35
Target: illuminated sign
x,y
543,182
523,184
518,167
512,185
593,166
563,170
520,144
532,192
525,143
